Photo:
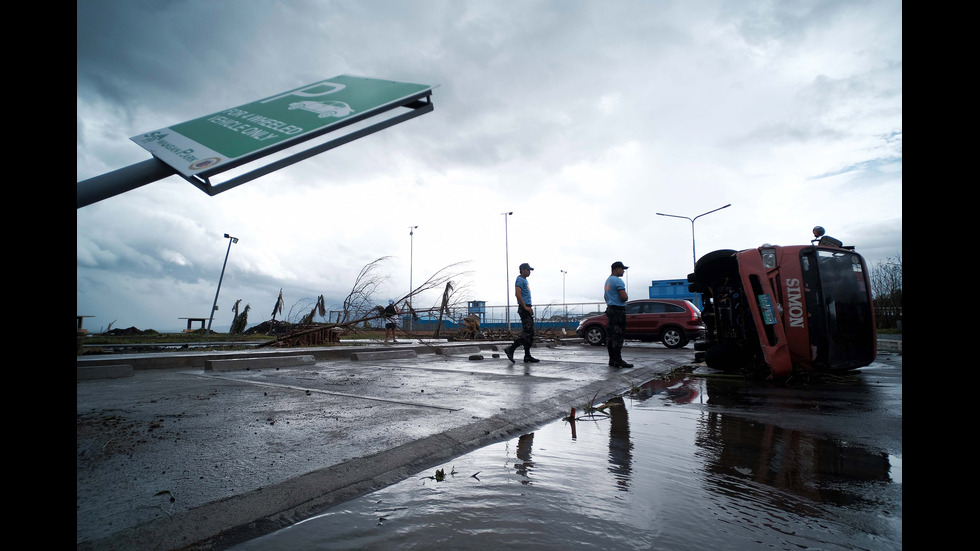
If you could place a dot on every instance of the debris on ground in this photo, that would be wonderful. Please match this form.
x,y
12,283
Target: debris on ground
x,y
129,332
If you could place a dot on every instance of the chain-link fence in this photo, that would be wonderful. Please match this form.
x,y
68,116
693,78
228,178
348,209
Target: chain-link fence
x,y
560,316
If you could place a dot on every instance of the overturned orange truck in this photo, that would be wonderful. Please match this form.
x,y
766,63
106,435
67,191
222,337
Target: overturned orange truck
x,y
781,311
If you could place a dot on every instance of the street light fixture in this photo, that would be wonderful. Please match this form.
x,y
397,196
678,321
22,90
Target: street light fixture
x,y
411,289
215,305
693,250
507,268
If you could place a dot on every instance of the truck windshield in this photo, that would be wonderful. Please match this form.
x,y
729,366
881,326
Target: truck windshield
x,y
839,308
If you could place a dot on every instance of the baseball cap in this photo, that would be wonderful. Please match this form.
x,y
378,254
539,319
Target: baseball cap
x,y
526,266
619,264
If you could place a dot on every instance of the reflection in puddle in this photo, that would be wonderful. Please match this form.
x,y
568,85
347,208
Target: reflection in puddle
x,y
666,468
524,444
620,445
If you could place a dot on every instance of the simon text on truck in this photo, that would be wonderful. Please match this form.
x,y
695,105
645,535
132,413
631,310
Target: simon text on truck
x,y
780,311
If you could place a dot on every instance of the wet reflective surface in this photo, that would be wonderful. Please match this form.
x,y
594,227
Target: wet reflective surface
x,y
687,462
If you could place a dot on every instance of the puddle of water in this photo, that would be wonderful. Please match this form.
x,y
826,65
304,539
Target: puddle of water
x,y
663,471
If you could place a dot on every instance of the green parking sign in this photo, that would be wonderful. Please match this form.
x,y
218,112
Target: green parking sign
x,y
234,136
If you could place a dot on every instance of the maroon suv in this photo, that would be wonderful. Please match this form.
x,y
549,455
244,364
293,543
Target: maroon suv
x,y
673,322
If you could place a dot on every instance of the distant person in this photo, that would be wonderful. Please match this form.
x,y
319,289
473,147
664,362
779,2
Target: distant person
x,y
471,326
526,338
615,294
391,321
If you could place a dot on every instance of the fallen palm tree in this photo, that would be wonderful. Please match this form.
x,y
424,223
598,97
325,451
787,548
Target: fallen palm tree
x,y
357,312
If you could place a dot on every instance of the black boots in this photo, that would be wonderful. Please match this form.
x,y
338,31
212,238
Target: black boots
x,y
616,360
527,354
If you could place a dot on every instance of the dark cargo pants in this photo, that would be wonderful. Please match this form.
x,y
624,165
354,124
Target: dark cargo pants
x,y
617,332
526,338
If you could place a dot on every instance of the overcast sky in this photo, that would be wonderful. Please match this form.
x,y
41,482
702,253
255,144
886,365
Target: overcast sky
x,y
583,118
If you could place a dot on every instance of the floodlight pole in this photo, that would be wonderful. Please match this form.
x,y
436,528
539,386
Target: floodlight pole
x,y
507,268
411,247
563,303
694,253
215,305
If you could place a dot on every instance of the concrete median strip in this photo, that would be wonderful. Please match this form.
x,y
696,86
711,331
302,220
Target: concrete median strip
x,y
457,350
91,372
237,364
889,345
372,355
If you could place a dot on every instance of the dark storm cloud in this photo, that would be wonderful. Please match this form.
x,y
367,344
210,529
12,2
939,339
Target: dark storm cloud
x,y
568,113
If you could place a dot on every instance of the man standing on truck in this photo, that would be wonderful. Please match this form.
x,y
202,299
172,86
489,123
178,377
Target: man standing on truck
x,y
526,338
616,297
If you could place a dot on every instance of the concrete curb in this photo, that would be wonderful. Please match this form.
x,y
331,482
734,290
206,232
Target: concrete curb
x,y
460,350
383,355
238,364
889,345
91,372
196,359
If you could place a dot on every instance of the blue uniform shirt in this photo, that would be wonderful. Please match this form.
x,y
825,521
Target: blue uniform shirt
x,y
613,286
525,290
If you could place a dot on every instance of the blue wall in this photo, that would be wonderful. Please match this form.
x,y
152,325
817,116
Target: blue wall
x,y
676,289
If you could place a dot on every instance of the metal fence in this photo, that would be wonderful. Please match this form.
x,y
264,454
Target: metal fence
x,y
555,315
888,317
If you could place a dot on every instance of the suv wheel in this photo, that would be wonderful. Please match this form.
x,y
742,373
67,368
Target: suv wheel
x,y
595,335
673,337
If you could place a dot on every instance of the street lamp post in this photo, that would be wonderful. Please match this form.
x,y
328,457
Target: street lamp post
x,y
215,305
564,324
507,268
411,289
694,253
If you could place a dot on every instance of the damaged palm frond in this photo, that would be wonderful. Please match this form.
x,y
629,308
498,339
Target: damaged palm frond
x,y
241,320
444,308
360,307
278,307
360,300
318,308
373,314
591,410
441,474
634,388
437,280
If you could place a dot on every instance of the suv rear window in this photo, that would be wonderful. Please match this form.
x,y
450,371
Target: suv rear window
x,y
661,308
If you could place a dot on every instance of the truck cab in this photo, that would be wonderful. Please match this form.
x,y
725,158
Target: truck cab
x,y
778,311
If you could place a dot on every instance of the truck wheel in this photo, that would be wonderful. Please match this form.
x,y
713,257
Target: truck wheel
x,y
595,335
713,265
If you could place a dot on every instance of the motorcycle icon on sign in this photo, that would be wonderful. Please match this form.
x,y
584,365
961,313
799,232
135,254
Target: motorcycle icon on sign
x,y
324,108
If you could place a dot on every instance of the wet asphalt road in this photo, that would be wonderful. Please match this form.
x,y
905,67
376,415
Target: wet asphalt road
x,y
181,457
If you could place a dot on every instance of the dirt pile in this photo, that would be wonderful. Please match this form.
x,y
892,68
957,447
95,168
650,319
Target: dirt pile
x,y
132,331
271,327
